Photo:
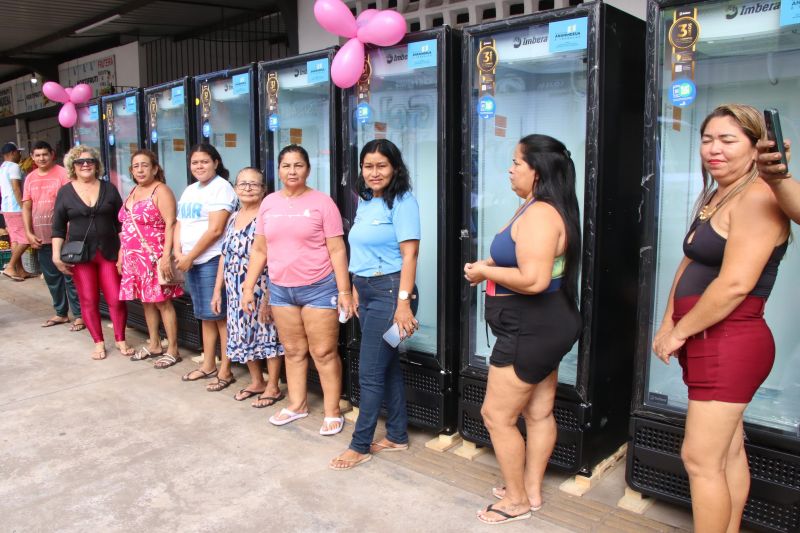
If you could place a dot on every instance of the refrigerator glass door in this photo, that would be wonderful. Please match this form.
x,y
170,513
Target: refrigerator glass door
x,y
171,136
746,58
536,91
403,107
303,118
125,142
87,128
228,127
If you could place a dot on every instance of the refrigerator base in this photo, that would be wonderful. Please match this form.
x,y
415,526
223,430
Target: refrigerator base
x,y
654,468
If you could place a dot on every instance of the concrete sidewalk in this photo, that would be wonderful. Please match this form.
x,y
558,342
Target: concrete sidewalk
x,y
115,445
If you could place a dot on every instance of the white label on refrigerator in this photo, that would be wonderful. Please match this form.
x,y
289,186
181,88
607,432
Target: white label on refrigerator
x,y
526,43
736,19
390,61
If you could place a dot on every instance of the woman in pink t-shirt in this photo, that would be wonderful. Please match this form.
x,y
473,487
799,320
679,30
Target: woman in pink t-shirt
x,y
308,284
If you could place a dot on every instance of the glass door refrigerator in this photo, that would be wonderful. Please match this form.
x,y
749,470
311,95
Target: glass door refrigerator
x,y
575,74
169,131
88,130
408,94
701,55
299,104
122,118
227,117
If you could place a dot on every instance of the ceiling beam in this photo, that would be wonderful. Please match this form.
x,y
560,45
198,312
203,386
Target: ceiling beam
x,y
226,23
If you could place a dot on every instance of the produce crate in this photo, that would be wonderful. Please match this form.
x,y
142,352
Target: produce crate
x,y
5,257
30,262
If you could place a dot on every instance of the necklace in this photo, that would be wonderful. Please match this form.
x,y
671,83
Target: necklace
x,y
708,211
289,198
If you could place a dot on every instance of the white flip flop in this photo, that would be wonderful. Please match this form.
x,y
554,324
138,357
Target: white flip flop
x,y
329,420
286,412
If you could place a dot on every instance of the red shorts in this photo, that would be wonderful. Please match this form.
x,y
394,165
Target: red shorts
x,y
731,359
16,228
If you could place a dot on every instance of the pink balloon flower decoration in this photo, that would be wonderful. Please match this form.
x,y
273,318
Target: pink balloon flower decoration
x,y
373,26
80,94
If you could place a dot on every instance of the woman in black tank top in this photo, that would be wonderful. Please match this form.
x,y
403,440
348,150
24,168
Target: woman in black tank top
x,y
534,316
714,321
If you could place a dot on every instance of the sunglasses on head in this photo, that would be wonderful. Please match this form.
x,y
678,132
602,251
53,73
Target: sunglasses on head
x,y
87,161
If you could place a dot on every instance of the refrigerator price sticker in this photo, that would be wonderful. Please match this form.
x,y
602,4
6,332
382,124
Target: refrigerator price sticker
x,y
422,54
486,106
317,71
790,12
177,95
682,93
206,130
241,83
363,113
130,104
94,113
273,123
568,35
154,137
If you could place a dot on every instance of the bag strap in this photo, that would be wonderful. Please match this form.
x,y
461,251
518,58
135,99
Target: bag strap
x,y
153,256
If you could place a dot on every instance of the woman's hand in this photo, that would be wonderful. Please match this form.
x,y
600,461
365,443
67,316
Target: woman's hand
x,y
404,319
667,343
165,267
265,312
64,268
216,302
474,272
119,264
355,302
769,166
248,301
345,303
183,263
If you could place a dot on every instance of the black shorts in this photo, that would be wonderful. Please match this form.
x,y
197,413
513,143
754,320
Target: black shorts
x,y
533,332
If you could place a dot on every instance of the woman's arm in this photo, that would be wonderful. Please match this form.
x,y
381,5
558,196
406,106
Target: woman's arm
x,y
219,286
165,202
778,177
409,251
338,254
216,227
256,265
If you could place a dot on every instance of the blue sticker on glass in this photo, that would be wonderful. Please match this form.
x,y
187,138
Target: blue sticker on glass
x,y
177,95
567,35
790,12
154,137
111,139
206,130
486,106
363,113
422,54
273,123
682,93
94,113
130,104
241,83
317,71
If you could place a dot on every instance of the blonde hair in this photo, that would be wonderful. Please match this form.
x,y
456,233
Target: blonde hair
x,y
75,153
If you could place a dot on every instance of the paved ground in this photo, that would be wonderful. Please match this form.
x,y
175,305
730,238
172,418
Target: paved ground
x,y
118,446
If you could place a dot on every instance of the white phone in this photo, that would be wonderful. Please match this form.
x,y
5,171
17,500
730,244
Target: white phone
x,y
392,336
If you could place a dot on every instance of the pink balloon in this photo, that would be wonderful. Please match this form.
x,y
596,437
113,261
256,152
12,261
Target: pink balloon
x,y
334,16
364,16
67,116
348,64
385,28
81,93
68,90
55,92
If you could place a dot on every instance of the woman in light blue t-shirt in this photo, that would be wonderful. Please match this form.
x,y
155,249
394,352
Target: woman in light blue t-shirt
x,y
384,243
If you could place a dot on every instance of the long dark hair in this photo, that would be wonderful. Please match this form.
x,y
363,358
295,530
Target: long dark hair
x,y
401,181
556,186
214,155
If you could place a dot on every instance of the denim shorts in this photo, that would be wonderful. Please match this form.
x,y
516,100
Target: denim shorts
x,y
200,280
322,294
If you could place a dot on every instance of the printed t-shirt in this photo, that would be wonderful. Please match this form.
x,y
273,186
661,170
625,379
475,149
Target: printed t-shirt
x,y
295,230
193,209
378,231
41,191
9,171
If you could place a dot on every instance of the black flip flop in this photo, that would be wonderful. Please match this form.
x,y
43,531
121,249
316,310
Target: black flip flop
x,y
50,323
203,375
250,394
271,400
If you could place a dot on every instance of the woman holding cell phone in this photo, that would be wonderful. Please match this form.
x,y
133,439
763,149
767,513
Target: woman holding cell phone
x,y
384,243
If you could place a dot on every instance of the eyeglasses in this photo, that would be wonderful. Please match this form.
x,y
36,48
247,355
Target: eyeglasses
x,y
246,186
89,161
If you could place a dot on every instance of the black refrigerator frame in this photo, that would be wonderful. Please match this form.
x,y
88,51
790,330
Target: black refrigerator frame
x,y
267,153
654,465
108,100
592,416
430,383
190,333
254,118
75,138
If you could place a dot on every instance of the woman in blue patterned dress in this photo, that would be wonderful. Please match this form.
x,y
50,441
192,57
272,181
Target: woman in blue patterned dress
x,y
251,338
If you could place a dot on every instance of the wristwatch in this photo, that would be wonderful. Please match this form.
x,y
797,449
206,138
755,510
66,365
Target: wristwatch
x,y
403,295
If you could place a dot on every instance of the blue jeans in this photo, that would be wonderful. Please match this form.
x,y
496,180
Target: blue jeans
x,y
379,373
62,289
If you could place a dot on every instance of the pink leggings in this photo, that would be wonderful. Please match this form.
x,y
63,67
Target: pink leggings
x,y
100,274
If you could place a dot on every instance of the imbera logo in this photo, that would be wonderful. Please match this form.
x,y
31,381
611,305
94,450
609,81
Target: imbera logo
x,y
527,41
751,8
391,58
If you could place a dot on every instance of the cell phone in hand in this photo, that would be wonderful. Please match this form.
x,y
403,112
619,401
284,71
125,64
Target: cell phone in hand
x,y
774,133
392,336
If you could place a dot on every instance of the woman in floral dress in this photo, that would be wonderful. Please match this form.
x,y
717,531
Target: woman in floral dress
x,y
148,218
251,338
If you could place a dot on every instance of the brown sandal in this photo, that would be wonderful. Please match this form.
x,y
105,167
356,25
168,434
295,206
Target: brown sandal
x,y
167,360
220,384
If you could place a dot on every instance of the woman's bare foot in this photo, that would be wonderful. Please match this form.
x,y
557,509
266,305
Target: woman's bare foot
x,y
124,349
385,445
349,459
536,501
99,351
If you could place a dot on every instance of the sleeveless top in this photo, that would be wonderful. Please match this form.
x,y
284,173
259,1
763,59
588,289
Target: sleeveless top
x,y
706,250
504,254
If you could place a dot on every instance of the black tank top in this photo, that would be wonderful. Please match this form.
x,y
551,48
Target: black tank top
x,y
706,250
